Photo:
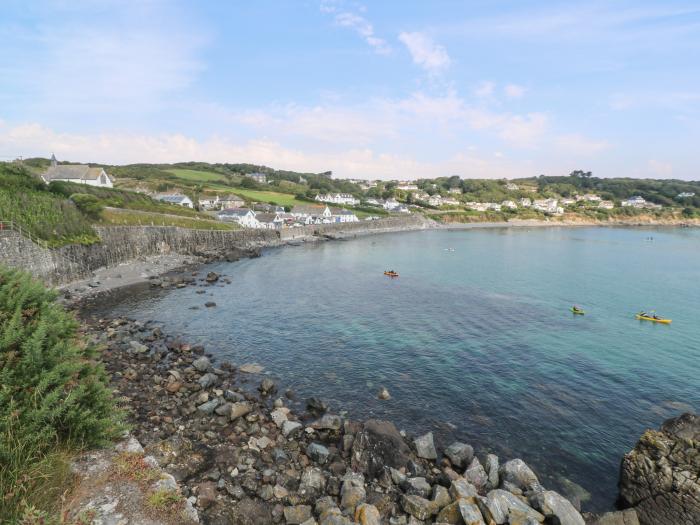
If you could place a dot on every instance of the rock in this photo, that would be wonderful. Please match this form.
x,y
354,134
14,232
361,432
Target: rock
x,y
297,514
138,348
476,475
312,483
328,422
383,394
251,368
291,428
129,445
208,380
397,477
378,444
173,387
660,477
471,515
441,497
625,517
352,493
450,514
499,504
556,508
208,407
315,406
418,486
366,514
279,416
317,453
212,277
240,409
520,475
417,507
224,409
459,454
206,494
210,304
267,387
493,479
461,488
425,448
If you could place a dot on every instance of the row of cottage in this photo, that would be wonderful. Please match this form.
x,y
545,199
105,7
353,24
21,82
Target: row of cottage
x,y
275,217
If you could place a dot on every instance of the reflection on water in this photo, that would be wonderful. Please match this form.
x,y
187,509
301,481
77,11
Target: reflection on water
x,y
476,344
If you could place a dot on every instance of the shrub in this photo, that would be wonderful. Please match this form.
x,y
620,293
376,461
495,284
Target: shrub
x,y
53,396
88,204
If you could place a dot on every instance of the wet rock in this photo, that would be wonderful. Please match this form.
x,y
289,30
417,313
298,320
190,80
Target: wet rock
x,y
291,428
267,387
202,364
297,514
327,422
492,471
450,514
660,477
251,368
210,304
208,380
208,407
461,488
499,504
212,277
418,486
459,454
441,496
556,508
312,483
377,445
425,447
476,475
417,507
317,453
520,475
315,406
279,416
471,515
383,394
138,348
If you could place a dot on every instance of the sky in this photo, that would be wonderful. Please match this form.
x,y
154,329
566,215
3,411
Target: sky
x,y
396,89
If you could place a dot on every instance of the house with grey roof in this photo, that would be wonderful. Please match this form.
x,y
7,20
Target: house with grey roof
x,y
243,216
77,173
177,199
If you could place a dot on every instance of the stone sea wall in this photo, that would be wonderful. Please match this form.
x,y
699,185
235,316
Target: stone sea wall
x,y
120,244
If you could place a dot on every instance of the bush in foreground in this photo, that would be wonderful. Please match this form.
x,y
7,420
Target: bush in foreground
x,y
54,398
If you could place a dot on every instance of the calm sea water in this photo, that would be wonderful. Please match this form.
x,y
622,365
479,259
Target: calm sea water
x,y
476,344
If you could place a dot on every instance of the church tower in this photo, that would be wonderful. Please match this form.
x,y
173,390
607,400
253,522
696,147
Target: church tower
x,y
54,162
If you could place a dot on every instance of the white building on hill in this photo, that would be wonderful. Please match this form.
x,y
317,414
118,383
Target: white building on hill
x,y
77,173
177,199
338,198
243,216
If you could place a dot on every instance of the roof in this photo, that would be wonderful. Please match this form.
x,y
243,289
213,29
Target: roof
x,y
73,172
237,212
309,210
266,217
341,211
173,198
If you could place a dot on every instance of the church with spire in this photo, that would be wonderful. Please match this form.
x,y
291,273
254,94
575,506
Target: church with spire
x,y
77,173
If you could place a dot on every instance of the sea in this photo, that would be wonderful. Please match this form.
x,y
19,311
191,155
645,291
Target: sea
x,y
475,339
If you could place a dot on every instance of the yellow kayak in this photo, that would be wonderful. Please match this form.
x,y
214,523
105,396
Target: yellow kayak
x,y
652,319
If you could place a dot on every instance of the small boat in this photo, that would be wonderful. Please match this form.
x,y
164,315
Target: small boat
x,y
391,273
651,317
577,311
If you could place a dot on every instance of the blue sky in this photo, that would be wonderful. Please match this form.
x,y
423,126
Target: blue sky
x,y
391,89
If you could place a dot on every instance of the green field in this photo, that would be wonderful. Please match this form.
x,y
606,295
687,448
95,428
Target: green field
x,y
281,199
197,176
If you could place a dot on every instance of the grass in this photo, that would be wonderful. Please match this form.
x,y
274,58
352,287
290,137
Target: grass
x,y
281,199
115,216
196,175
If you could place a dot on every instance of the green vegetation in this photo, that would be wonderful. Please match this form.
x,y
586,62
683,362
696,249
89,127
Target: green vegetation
x,y
140,218
54,398
52,218
199,176
272,197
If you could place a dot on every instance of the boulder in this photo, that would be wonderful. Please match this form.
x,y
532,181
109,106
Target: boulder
x,y
492,471
418,486
377,445
425,447
476,475
450,514
499,504
291,428
461,488
520,475
297,514
624,517
240,409
366,514
267,387
328,422
418,507
208,380
660,477
212,277
459,454
317,453
556,508
352,492
471,515
315,406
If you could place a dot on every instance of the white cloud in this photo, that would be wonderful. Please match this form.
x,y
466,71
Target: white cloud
x,y
524,130
485,89
357,23
514,91
580,145
427,54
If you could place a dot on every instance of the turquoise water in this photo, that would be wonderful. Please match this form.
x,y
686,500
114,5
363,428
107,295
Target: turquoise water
x,y
477,343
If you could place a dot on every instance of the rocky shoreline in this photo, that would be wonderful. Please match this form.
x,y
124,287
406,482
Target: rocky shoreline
x,y
242,455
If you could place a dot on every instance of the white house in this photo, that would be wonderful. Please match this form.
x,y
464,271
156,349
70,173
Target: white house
x,y
342,215
525,202
591,197
231,201
686,195
435,200
338,198
313,214
449,201
374,202
421,196
456,191
407,186
209,202
257,177
566,201
269,221
493,206
77,173
177,199
509,204
548,206
606,205
391,204
635,202
243,216
512,187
